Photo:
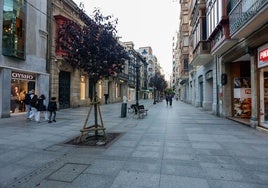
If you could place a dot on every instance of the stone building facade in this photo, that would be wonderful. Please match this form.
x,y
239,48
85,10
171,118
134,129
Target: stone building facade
x,y
23,46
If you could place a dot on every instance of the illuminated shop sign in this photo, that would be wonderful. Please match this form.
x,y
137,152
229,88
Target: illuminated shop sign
x,y
22,76
263,56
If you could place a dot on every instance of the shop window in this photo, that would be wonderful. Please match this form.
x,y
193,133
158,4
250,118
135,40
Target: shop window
x,y
13,39
100,89
83,88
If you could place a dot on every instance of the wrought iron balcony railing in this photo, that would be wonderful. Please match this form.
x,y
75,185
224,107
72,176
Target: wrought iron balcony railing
x,y
123,76
243,11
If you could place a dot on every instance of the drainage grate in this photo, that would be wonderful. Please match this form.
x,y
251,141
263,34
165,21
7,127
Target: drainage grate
x,y
93,141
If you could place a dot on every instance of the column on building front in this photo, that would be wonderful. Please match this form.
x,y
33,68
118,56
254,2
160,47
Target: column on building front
x,y
5,94
225,93
42,82
216,86
254,89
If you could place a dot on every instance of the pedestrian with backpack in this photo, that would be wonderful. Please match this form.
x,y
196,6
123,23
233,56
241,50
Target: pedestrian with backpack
x,y
33,103
41,107
26,101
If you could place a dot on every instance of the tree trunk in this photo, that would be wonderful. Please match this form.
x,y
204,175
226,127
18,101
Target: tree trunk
x,y
95,102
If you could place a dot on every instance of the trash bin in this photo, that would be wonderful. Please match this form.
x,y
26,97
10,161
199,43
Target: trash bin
x,y
124,110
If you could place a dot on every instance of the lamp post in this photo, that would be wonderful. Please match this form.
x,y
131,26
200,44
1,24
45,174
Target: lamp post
x,y
137,66
154,95
134,58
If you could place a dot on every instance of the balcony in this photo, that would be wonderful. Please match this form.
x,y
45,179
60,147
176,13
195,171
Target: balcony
x,y
123,76
221,41
247,16
201,54
195,6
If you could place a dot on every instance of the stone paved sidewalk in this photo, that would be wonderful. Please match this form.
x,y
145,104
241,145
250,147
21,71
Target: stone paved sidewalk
x,y
172,147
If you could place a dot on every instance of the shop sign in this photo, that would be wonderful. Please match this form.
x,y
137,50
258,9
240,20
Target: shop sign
x,y
22,76
263,56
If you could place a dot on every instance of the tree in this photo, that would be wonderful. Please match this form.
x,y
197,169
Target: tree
x,y
92,47
158,82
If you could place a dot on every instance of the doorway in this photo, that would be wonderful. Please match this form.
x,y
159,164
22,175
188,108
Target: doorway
x,y
264,97
64,89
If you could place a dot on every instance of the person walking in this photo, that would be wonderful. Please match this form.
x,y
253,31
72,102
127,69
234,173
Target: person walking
x,y
33,103
167,99
170,100
52,108
26,101
41,107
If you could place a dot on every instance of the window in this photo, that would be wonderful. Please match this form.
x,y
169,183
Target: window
x,y
13,40
83,88
185,19
185,41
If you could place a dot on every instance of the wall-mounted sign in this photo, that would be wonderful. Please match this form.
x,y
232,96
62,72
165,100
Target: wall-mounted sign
x,y
22,76
263,56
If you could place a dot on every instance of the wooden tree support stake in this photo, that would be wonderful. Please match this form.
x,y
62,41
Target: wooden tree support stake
x,y
85,129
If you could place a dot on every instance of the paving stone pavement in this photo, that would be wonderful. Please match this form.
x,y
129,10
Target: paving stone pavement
x,y
172,147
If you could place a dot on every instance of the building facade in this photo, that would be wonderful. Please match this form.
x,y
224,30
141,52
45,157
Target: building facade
x,y
23,46
73,87
229,58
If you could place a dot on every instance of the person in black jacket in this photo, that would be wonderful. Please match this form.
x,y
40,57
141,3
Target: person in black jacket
x,y
52,108
33,103
41,107
26,101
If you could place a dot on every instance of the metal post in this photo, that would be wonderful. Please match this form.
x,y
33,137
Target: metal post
x,y
154,95
137,84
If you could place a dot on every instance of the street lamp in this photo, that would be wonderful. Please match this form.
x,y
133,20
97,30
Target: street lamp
x,y
154,95
134,58
137,66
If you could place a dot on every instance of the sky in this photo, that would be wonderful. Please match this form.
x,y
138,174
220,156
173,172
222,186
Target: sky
x,y
145,22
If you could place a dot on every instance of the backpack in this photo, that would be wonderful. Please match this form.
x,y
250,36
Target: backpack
x,y
27,98
33,101
40,105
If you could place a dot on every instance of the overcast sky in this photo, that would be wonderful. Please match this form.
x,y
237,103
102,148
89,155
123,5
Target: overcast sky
x,y
145,22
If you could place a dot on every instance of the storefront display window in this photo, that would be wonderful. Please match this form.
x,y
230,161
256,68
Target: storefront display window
x,y
13,40
83,88
21,83
242,97
264,97
262,65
